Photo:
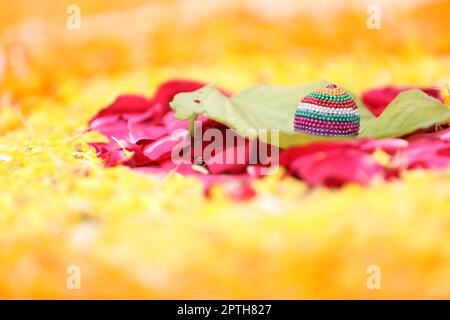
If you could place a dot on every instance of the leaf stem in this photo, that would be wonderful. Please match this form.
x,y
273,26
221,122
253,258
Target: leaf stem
x,y
192,125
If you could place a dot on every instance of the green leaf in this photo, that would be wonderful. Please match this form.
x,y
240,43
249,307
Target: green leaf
x,y
260,107
408,112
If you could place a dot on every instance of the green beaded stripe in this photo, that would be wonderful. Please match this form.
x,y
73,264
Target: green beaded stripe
x,y
327,116
322,96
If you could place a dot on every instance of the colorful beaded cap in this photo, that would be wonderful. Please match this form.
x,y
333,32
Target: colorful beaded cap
x,y
328,112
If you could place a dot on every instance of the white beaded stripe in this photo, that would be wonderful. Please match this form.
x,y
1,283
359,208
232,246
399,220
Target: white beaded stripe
x,y
312,107
308,106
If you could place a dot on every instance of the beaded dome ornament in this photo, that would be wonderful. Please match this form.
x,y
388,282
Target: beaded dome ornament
x,y
328,112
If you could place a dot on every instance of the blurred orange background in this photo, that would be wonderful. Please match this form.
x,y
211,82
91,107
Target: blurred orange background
x,y
127,35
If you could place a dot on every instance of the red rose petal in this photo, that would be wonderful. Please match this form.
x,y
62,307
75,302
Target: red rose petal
x,y
125,105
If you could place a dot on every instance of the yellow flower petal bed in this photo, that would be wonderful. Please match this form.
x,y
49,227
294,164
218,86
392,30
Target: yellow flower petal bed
x,y
136,235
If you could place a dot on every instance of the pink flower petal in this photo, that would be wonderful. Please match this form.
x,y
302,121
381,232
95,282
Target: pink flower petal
x,y
427,154
98,123
390,146
118,130
144,131
340,168
161,148
331,163
139,117
173,124
110,155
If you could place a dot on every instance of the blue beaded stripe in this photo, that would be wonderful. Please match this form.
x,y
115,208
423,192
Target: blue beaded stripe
x,y
322,96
